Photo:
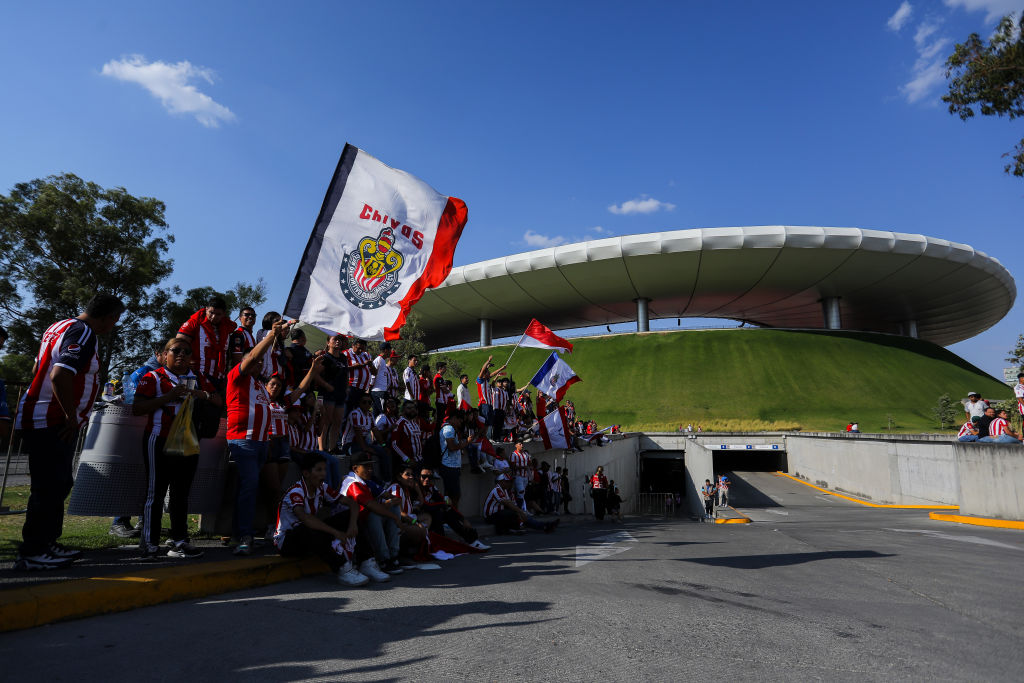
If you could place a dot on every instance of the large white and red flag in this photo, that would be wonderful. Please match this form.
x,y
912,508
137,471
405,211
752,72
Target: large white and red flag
x,y
541,337
383,237
554,429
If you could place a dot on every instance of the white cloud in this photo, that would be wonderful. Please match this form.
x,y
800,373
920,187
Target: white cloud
x,y
599,230
994,9
897,20
926,78
535,239
925,31
642,205
172,85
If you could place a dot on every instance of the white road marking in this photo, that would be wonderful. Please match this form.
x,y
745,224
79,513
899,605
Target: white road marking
x,y
776,512
956,537
603,547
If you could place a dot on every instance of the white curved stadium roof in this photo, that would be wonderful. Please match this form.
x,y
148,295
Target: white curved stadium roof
x,y
773,276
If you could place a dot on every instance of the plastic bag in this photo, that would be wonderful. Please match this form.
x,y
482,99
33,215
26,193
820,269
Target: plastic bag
x,y
182,438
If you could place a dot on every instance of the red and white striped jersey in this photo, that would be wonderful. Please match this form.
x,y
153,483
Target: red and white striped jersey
x,y
965,429
599,481
442,395
396,491
360,378
493,504
407,440
357,422
356,488
248,407
997,427
520,462
241,341
209,343
499,398
278,420
301,496
302,436
160,382
69,344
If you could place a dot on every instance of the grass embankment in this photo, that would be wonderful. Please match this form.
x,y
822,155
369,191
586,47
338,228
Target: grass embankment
x,y
756,379
83,533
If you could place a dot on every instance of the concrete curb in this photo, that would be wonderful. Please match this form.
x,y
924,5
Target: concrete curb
x,y
864,502
977,521
22,608
742,519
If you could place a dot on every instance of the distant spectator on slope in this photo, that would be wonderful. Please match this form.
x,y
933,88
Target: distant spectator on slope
x,y
975,405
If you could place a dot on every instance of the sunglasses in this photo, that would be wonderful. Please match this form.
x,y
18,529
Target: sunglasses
x,y
425,476
180,350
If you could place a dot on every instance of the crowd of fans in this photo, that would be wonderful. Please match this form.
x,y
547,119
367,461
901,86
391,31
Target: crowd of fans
x,y
988,423
399,431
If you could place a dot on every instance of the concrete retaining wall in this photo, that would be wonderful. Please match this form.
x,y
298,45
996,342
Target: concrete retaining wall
x,y
991,480
903,471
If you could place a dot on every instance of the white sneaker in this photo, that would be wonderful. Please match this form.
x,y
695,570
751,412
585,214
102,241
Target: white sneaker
x,y
370,568
350,576
479,546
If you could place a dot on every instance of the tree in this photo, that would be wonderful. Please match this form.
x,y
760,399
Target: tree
x,y
1016,356
946,411
990,76
62,240
176,312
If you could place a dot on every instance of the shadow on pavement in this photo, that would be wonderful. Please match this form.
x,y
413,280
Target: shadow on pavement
x,y
782,559
743,494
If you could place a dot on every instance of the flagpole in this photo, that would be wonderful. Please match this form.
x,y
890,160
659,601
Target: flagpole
x,y
514,348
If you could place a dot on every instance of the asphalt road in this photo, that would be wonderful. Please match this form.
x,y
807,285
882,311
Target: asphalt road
x,y
816,588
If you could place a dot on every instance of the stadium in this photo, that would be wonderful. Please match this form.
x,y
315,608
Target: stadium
x,y
838,319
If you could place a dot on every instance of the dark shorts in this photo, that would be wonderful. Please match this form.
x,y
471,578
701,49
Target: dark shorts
x,y
339,396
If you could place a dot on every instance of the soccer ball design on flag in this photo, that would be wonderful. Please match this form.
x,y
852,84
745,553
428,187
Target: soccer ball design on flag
x,y
369,275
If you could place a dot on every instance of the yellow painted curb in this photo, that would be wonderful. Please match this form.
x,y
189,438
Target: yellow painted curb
x,y
977,521
742,519
864,502
22,608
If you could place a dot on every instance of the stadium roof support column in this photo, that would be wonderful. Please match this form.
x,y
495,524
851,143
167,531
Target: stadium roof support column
x,y
910,328
642,321
486,331
830,310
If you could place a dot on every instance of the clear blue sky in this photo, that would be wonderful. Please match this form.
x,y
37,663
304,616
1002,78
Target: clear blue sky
x,y
539,115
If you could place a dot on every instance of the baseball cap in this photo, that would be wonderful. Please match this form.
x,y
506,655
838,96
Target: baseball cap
x,y
973,393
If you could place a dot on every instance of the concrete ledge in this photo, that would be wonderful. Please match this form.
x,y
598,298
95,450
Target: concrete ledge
x,y
740,519
977,521
866,503
22,608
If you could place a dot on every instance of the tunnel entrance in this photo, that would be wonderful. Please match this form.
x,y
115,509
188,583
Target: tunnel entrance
x,y
749,461
662,484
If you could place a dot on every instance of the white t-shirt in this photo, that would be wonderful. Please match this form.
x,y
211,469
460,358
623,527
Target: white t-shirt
x,y
381,379
976,409
449,457
462,396
411,384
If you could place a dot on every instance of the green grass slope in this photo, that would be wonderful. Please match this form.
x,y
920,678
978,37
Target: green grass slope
x,y
755,379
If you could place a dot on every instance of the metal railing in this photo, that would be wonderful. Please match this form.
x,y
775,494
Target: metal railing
x,y
659,505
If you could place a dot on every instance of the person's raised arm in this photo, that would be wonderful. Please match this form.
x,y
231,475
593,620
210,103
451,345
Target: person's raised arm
x,y
487,363
253,361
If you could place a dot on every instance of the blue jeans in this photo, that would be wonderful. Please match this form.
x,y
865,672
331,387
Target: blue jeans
x,y
249,457
968,437
1002,438
378,401
382,533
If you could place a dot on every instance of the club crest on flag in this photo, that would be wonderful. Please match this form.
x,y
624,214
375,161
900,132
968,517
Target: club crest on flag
x,y
369,275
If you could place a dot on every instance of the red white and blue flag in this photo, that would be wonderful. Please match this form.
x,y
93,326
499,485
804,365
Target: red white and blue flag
x,y
541,337
383,237
554,429
554,377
